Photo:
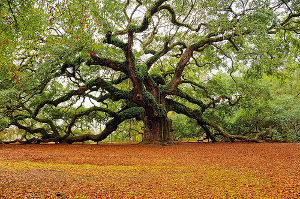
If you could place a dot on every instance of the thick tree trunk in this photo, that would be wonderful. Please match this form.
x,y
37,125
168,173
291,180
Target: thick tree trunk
x,y
157,131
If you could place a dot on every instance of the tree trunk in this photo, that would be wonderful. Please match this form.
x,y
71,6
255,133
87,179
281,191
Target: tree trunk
x,y
157,131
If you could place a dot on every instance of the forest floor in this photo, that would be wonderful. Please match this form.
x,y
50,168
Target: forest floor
x,y
186,170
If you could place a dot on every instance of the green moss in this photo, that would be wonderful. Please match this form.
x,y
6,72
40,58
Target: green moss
x,y
113,122
164,88
91,83
116,42
158,79
160,111
132,27
130,103
131,112
119,94
141,72
191,99
119,79
204,119
154,58
148,97
18,118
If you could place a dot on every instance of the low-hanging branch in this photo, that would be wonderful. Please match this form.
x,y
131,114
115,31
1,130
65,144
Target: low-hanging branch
x,y
111,126
197,115
83,113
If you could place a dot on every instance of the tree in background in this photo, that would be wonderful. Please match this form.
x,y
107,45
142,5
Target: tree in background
x,y
134,59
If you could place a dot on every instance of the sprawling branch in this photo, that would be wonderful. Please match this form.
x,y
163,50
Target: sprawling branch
x,y
116,94
42,131
81,90
115,65
197,115
162,52
111,126
111,39
224,97
187,54
83,113
235,137
182,109
194,114
198,85
213,100
177,23
98,82
147,17
51,124
179,93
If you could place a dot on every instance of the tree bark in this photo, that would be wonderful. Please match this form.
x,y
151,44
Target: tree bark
x,y
157,131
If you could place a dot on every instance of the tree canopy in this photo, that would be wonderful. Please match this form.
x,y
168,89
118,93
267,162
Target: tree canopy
x,y
68,65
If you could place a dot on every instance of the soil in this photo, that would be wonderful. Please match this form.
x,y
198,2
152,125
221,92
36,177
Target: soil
x,y
185,170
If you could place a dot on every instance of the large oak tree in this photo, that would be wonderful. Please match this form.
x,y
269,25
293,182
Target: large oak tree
x,y
133,59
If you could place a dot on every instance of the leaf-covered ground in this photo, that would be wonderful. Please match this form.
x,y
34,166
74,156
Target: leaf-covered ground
x,y
191,170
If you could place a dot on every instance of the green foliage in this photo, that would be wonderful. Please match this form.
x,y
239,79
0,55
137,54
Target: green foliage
x,y
268,106
247,49
184,127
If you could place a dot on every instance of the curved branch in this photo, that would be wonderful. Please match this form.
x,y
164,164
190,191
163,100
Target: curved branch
x,y
111,39
197,115
51,124
194,114
161,53
175,22
42,131
182,109
134,10
120,79
234,137
116,94
147,17
81,90
83,113
115,65
198,85
98,82
111,126
181,94
214,101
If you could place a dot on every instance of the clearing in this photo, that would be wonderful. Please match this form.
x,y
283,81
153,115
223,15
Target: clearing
x,y
186,170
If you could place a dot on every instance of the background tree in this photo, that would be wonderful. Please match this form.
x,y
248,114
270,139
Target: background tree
x,y
134,59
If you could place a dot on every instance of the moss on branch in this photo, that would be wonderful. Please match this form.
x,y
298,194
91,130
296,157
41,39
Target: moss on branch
x,y
119,80
158,79
182,109
116,93
191,99
102,61
111,39
131,112
147,17
141,72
